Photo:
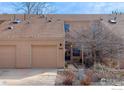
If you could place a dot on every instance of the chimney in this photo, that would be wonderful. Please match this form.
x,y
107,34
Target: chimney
x,y
24,16
14,16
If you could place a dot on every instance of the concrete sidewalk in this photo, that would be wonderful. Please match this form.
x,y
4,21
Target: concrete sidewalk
x,y
41,77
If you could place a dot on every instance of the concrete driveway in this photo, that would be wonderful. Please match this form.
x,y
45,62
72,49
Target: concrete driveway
x,y
28,76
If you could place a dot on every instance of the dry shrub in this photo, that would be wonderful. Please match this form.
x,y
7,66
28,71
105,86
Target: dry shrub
x,y
86,81
96,77
114,64
102,71
88,78
69,77
89,72
110,63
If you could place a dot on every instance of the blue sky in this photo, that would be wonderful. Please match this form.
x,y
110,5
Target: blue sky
x,y
74,7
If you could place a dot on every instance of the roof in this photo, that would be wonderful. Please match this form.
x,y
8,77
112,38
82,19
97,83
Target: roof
x,y
118,28
34,27
51,26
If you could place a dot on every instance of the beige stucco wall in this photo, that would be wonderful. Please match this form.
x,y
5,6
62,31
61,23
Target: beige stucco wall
x,y
35,30
22,57
36,44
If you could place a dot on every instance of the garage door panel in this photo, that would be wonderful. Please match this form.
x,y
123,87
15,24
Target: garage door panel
x,y
7,56
44,56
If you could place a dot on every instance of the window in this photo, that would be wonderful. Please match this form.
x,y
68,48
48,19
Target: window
x,y
67,55
76,52
66,27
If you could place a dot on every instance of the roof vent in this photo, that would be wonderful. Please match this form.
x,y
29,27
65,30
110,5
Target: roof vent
x,y
58,20
49,20
101,19
10,27
24,16
28,22
42,16
112,21
17,21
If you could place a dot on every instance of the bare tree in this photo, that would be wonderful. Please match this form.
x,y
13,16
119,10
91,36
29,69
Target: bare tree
x,y
99,42
104,44
33,7
117,12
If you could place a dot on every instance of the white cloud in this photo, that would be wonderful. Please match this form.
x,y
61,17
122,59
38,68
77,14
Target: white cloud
x,y
90,8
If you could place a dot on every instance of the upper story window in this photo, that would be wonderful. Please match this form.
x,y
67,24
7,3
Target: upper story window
x,y
66,27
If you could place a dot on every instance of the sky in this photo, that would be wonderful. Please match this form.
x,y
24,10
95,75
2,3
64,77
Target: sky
x,y
73,7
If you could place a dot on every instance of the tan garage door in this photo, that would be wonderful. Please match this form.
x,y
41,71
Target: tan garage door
x,y
7,56
44,56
